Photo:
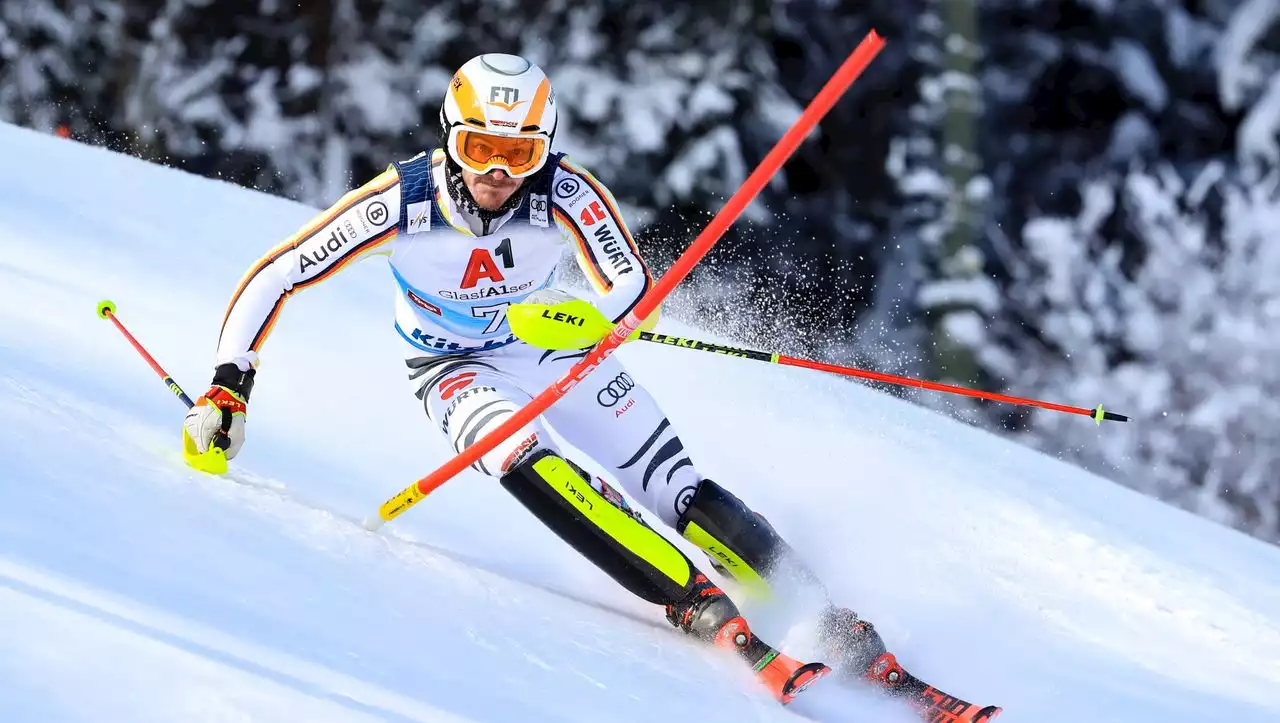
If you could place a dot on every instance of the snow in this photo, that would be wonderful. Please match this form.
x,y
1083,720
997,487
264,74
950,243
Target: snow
x,y
978,292
978,189
1139,74
924,182
709,99
1133,137
368,80
156,593
1051,241
1190,39
1212,173
1237,76
965,327
1258,139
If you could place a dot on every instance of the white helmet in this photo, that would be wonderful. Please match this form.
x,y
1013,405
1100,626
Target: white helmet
x,y
499,112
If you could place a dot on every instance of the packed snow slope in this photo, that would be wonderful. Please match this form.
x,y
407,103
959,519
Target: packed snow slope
x,y
135,589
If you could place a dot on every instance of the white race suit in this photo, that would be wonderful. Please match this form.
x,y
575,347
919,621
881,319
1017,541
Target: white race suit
x,y
456,275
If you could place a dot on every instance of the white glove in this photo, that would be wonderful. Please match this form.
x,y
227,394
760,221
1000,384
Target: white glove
x,y
217,419
212,423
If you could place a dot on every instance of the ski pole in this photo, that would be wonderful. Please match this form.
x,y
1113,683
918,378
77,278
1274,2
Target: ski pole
x,y
107,310
1098,414
826,98
213,460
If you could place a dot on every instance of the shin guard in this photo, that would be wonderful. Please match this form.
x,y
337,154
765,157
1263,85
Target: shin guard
x,y
629,551
738,541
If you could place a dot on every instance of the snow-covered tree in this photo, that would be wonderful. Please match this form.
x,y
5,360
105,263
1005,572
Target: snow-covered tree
x,y
1249,72
946,181
1182,333
1134,159
62,63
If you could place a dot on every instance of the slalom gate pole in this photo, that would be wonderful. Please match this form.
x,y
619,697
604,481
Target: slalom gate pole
x,y
835,87
1098,414
107,310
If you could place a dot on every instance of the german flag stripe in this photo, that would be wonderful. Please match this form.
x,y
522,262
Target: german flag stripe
x,y
609,203
269,323
354,253
378,185
595,272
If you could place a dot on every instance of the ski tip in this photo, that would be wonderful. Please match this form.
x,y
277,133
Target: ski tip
x,y
106,307
802,678
988,714
373,523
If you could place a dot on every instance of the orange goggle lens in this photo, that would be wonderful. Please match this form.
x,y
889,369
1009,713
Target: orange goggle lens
x,y
481,152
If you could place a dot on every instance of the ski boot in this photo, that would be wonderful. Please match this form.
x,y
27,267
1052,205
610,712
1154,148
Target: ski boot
x,y
858,651
742,544
708,614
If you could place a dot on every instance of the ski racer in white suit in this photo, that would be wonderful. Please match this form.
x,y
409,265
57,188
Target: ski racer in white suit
x,y
469,230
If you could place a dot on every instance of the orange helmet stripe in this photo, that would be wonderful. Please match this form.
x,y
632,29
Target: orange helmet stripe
x,y
464,94
539,104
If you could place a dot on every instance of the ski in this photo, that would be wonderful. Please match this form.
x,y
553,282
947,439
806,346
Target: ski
x,y
930,703
787,677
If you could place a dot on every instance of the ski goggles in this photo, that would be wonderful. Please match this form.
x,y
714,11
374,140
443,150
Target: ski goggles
x,y
482,152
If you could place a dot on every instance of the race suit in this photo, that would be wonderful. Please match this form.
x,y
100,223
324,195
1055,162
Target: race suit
x,y
455,277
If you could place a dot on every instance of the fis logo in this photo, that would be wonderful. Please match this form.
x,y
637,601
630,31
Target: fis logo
x,y
419,216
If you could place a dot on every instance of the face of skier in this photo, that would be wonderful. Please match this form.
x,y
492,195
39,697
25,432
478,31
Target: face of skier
x,y
492,189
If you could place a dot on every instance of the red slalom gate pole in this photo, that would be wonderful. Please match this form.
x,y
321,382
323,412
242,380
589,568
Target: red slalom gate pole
x,y
1098,414
821,104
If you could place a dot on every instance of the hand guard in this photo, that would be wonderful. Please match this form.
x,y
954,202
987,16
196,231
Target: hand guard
x,y
554,319
216,422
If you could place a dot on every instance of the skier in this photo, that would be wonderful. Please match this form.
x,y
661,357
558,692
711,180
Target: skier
x,y
471,230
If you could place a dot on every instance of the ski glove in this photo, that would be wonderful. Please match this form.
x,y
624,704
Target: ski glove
x,y
217,419
555,319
